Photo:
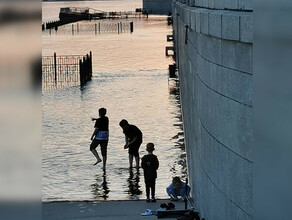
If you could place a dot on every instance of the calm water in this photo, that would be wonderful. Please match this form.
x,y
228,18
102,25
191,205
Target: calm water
x,y
130,79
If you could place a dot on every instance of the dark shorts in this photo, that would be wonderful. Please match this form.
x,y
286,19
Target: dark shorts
x,y
134,149
103,146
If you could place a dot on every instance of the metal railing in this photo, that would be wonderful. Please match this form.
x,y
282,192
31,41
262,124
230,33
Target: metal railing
x,y
93,28
65,70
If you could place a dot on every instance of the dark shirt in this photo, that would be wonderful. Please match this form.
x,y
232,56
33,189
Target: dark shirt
x,y
150,165
102,123
132,132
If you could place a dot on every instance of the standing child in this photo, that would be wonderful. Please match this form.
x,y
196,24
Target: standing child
x,y
150,165
100,136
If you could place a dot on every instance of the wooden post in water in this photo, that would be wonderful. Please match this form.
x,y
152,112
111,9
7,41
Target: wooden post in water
x,y
55,66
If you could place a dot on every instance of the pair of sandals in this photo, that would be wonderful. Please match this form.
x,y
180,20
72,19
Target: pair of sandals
x,y
168,206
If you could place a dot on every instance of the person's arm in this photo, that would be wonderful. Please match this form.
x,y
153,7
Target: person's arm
x,y
94,133
143,163
132,141
127,142
93,119
157,164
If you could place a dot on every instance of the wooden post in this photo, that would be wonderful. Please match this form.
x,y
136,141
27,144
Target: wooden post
x,y
118,27
72,29
77,28
95,28
121,27
99,27
55,66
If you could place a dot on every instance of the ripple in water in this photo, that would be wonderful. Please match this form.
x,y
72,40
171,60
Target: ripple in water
x,y
132,83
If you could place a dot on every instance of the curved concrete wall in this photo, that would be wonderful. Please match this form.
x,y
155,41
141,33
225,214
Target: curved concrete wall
x,y
214,57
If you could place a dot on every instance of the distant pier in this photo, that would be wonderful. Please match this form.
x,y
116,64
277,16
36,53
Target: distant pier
x,y
73,14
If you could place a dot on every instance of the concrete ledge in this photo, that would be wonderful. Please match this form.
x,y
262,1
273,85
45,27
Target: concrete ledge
x,y
224,24
112,210
220,4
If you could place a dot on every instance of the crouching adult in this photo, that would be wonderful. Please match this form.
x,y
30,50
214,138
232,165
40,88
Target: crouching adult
x,y
178,189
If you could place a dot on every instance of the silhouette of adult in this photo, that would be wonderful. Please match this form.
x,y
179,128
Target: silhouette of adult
x,y
133,138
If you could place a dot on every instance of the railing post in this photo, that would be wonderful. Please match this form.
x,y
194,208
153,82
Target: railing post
x,y
95,27
90,65
87,68
72,29
99,27
132,26
118,28
84,71
80,72
55,65
185,200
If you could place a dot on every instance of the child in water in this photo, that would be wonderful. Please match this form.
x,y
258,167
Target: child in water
x,y
150,165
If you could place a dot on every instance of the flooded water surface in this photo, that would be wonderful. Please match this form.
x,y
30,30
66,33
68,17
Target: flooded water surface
x,y
130,79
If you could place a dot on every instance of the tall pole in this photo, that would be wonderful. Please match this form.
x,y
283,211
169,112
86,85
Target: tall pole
x,y
55,66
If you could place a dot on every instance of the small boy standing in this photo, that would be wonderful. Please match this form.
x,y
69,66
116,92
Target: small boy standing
x,y
150,165
100,136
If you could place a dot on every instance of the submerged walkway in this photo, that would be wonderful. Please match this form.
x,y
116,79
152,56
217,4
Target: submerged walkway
x,y
113,210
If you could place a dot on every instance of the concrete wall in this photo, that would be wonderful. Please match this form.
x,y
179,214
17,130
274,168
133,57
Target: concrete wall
x,y
159,7
214,56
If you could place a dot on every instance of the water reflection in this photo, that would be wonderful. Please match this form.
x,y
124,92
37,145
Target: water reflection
x,y
100,188
179,163
134,184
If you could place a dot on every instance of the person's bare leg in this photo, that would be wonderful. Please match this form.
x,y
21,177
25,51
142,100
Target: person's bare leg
x,y
96,155
131,160
137,161
104,162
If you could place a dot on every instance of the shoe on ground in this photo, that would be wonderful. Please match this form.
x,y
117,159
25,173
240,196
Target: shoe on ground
x,y
153,200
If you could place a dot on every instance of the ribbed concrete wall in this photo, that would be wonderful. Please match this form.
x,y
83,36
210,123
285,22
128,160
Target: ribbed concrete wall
x,y
214,56
158,7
